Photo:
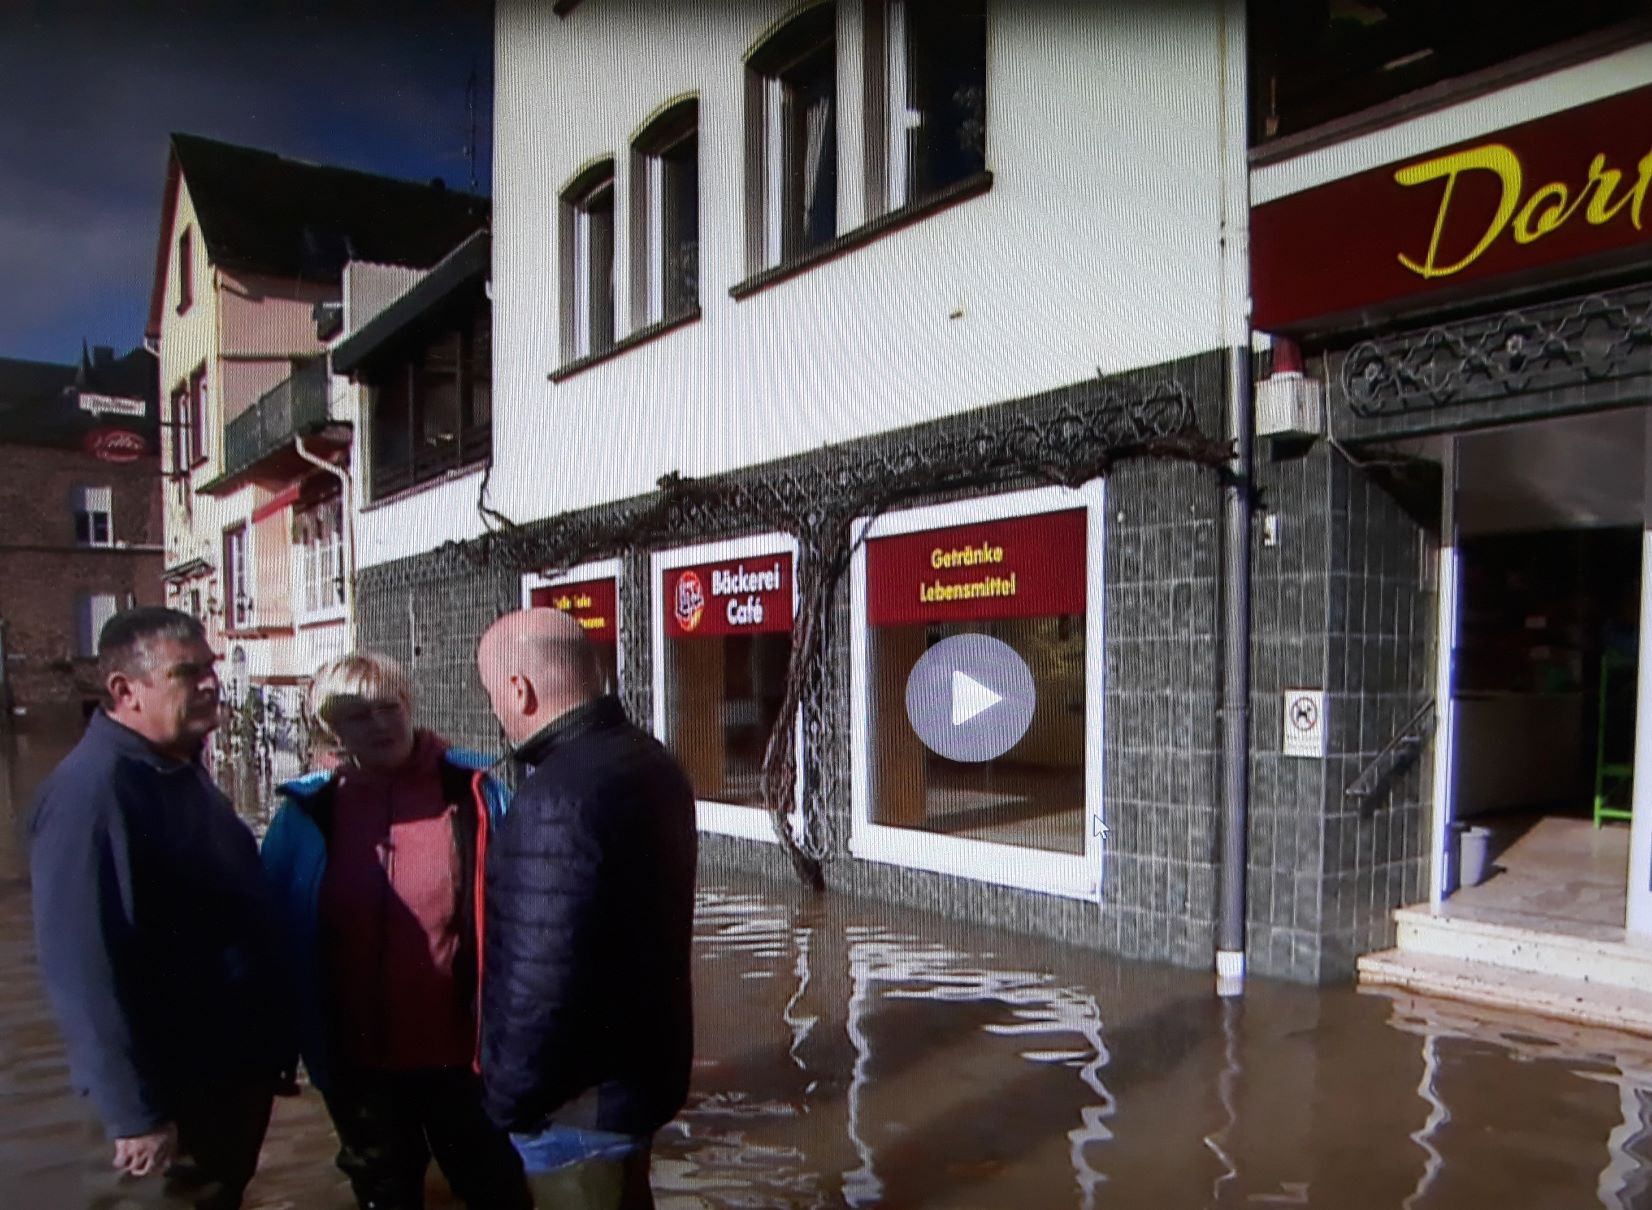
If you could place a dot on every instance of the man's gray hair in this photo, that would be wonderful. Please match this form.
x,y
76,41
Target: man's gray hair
x,y
124,642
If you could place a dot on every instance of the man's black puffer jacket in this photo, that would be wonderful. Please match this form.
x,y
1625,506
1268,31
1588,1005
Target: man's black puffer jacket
x,y
586,985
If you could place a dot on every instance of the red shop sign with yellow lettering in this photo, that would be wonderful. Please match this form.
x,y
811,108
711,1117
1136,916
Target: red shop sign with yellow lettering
x,y
1024,567
739,596
1570,189
593,604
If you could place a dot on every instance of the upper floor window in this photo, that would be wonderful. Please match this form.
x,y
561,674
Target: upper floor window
x,y
926,97
432,413
665,217
199,429
238,578
186,271
94,516
1313,61
183,430
587,242
791,140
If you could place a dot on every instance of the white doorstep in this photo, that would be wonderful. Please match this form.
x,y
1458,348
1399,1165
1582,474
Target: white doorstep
x,y
1587,953
1547,995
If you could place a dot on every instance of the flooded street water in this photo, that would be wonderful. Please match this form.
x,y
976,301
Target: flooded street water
x,y
852,1054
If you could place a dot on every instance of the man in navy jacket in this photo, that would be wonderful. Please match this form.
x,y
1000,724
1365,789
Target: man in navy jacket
x,y
155,928
587,1015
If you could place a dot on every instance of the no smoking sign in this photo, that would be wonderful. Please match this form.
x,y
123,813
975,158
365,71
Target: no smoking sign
x,y
1304,723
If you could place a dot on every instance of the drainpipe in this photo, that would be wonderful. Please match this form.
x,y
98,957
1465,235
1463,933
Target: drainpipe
x,y
347,520
1236,502
1230,927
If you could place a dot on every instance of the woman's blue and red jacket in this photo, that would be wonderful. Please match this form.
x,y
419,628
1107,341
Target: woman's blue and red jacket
x,y
295,858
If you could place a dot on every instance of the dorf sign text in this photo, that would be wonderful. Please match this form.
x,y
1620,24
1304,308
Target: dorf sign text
x,y
1567,191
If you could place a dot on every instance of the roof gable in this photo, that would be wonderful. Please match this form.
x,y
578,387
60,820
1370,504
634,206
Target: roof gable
x,y
259,212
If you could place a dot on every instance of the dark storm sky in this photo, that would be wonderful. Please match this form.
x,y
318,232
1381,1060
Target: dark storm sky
x,y
90,91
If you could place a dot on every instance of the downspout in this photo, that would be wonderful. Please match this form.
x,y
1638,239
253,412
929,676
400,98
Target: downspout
x,y
348,524
1236,505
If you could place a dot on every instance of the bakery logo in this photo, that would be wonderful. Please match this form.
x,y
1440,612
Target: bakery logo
x,y
690,603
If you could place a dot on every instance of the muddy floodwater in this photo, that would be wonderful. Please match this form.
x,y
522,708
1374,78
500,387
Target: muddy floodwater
x,y
854,1055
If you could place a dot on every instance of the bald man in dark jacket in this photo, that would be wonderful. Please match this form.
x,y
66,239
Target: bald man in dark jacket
x,y
587,1013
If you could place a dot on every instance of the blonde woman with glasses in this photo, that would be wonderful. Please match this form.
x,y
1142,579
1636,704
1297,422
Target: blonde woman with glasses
x,y
377,865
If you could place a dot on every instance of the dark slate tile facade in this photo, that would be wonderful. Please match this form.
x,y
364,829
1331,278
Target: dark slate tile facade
x,y
1344,602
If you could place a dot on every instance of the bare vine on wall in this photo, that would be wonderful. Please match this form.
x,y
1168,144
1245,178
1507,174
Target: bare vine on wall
x,y
820,500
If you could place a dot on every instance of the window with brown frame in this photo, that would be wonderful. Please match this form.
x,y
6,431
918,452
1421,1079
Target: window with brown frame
x,y
432,412
926,98
791,140
587,247
665,217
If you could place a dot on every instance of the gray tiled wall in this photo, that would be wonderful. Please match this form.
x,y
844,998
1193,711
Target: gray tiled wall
x,y
1341,603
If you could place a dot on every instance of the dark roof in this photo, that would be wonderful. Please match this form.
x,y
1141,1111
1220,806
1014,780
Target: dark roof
x,y
40,401
466,265
30,383
264,213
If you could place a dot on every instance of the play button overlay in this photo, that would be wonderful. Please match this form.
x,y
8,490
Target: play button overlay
x,y
970,698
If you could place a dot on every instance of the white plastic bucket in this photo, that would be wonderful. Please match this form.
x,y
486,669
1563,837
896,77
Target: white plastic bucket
x,y
1473,855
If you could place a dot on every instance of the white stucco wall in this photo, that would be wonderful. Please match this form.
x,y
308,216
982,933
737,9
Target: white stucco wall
x,y
1099,246
1565,89
417,522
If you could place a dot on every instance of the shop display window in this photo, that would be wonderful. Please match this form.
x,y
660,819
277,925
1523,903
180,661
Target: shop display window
x,y
1021,581
978,668
725,627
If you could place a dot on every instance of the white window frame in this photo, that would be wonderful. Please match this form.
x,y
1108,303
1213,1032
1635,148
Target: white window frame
x,y
89,620
649,162
200,410
892,126
83,501
771,148
600,569
654,192
774,171
728,819
239,579
319,564
1074,876
902,118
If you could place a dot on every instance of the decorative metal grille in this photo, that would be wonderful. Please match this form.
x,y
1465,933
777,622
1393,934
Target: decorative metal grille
x,y
1555,346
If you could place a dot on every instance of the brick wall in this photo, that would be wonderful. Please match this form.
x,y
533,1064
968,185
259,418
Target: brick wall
x,y
43,572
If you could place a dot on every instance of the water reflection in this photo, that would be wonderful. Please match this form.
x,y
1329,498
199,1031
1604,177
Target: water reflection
x,y
908,1062
855,1055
